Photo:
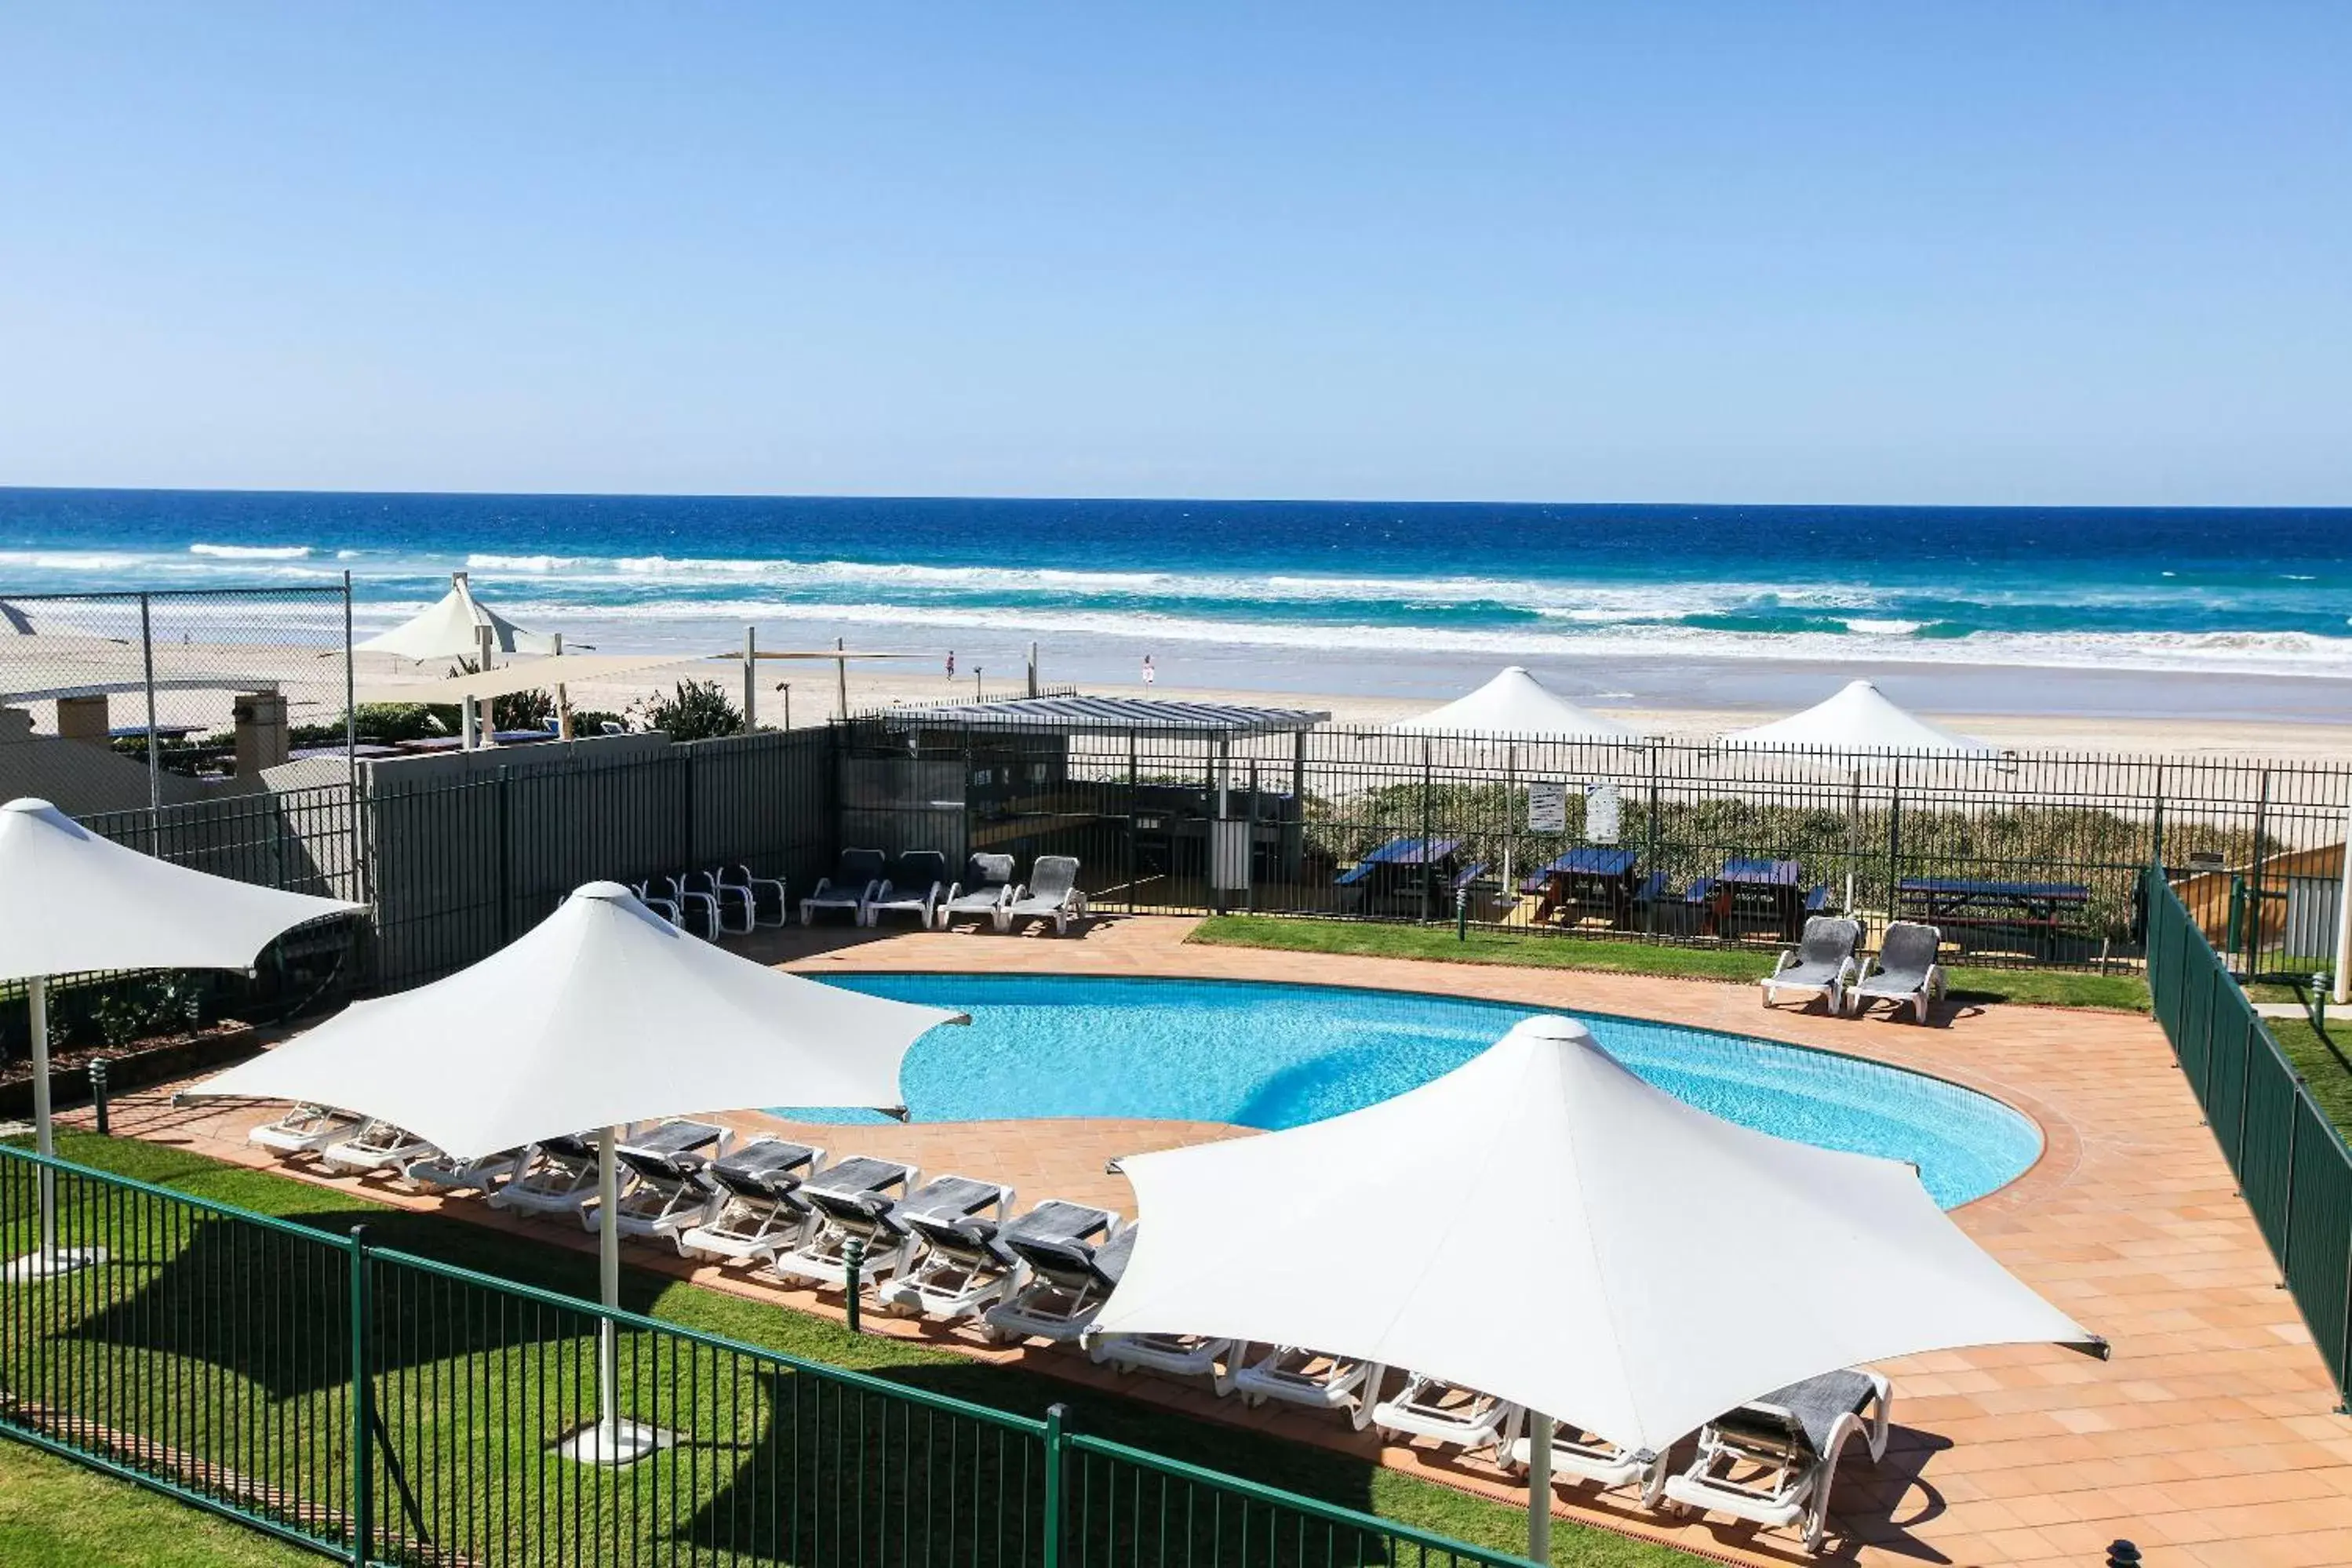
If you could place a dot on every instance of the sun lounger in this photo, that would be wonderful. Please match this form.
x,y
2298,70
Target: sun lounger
x,y
916,881
1068,1282
1298,1376
1823,964
760,1211
378,1145
849,886
1171,1355
664,903
987,884
845,1201
966,1263
305,1130
1772,1460
485,1176
557,1176
726,909
1907,973
1578,1455
738,879
1052,894
1432,1407
667,1191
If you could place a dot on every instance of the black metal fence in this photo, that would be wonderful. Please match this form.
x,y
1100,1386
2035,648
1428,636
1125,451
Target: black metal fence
x,y
381,1406
2290,1161
2020,858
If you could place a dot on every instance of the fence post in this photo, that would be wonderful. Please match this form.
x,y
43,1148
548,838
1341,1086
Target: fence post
x,y
363,1427
147,658
2254,894
1056,1414
506,861
2293,1133
2155,822
1428,806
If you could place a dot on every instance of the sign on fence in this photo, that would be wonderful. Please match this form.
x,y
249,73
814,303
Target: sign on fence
x,y
1600,813
1547,808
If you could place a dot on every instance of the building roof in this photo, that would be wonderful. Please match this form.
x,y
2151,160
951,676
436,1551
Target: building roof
x,y
1107,716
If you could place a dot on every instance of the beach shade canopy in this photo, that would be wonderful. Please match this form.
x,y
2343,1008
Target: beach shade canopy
x,y
1860,717
1515,704
451,629
603,1015
71,901
1619,1259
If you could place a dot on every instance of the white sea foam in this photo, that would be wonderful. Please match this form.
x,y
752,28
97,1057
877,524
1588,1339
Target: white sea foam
x,y
251,552
521,562
1879,628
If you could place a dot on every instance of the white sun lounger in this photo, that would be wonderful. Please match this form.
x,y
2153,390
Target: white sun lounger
x,y
669,1192
1068,1282
1296,1375
968,1264
986,887
305,1130
1432,1407
760,1211
486,1175
1907,973
1580,1455
846,1200
739,878
378,1145
1823,964
887,1228
556,1175
1772,1460
1052,894
850,885
1171,1355
916,881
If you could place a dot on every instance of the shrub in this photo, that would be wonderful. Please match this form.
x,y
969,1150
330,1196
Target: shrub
x,y
699,711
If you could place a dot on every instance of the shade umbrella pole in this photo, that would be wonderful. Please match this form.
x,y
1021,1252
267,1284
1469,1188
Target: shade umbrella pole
x,y
37,1006
1538,1486
608,1280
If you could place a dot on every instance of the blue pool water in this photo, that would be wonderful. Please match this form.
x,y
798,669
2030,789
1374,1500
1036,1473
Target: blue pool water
x,y
1277,1056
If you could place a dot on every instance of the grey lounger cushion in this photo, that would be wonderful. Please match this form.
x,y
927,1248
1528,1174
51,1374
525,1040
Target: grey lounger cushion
x,y
1903,960
1813,1408
1829,943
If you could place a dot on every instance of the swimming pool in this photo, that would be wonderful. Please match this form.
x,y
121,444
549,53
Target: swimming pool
x,y
1275,1056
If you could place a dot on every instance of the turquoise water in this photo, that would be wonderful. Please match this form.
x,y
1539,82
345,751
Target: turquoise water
x,y
1276,1056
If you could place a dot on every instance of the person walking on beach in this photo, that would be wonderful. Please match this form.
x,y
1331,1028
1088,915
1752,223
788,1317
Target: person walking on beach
x,y
1150,675
952,663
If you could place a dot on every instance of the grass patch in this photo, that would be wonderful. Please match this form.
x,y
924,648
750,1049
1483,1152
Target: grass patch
x,y
2051,987
485,1436
57,1514
2326,1063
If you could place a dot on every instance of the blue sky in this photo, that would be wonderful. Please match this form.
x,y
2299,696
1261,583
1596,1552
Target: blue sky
x,y
2034,253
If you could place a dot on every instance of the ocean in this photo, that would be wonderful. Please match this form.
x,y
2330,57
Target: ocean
x,y
1688,602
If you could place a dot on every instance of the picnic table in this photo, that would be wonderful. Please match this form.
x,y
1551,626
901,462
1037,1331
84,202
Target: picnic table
x,y
1766,892
1583,883
2037,910
1398,877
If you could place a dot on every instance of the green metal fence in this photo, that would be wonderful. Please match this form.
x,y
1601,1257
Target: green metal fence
x,y
2290,1161
380,1406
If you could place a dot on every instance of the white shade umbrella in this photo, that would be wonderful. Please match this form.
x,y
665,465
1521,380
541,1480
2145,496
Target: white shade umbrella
x,y
1859,718
601,1015
1517,703
71,902
1678,1264
452,628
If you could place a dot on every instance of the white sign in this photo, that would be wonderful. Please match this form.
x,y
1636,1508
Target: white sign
x,y
1600,813
1547,808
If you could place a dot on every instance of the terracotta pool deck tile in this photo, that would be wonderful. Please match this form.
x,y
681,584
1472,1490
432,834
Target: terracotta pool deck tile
x,y
2210,1431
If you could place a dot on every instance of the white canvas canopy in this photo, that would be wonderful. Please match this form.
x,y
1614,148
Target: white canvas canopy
x,y
1859,718
451,628
603,1015
1515,704
71,902
1675,1263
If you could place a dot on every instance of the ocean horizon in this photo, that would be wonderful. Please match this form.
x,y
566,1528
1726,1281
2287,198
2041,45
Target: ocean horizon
x,y
1342,589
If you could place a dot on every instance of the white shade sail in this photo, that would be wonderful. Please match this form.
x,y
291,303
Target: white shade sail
x,y
535,673
72,902
451,629
1543,1226
603,1015
1860,717
1515,704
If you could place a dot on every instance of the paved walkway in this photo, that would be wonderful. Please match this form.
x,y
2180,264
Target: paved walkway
x,y
2208,1438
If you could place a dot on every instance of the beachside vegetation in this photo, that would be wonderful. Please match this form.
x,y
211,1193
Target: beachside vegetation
x,y
1312,1471
698,710
1439,944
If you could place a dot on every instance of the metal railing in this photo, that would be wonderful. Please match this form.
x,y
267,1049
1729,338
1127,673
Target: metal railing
x,y
2291,1162
381,1406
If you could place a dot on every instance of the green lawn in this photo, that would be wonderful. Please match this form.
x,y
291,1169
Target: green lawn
x,y
1438,944
2328,1063
462,1371
57,1514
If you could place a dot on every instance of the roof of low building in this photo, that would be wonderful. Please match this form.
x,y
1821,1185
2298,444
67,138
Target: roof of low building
x,y
1107,716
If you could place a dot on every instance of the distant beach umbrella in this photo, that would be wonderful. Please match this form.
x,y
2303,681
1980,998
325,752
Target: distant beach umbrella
x,y
1515,704
453,627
